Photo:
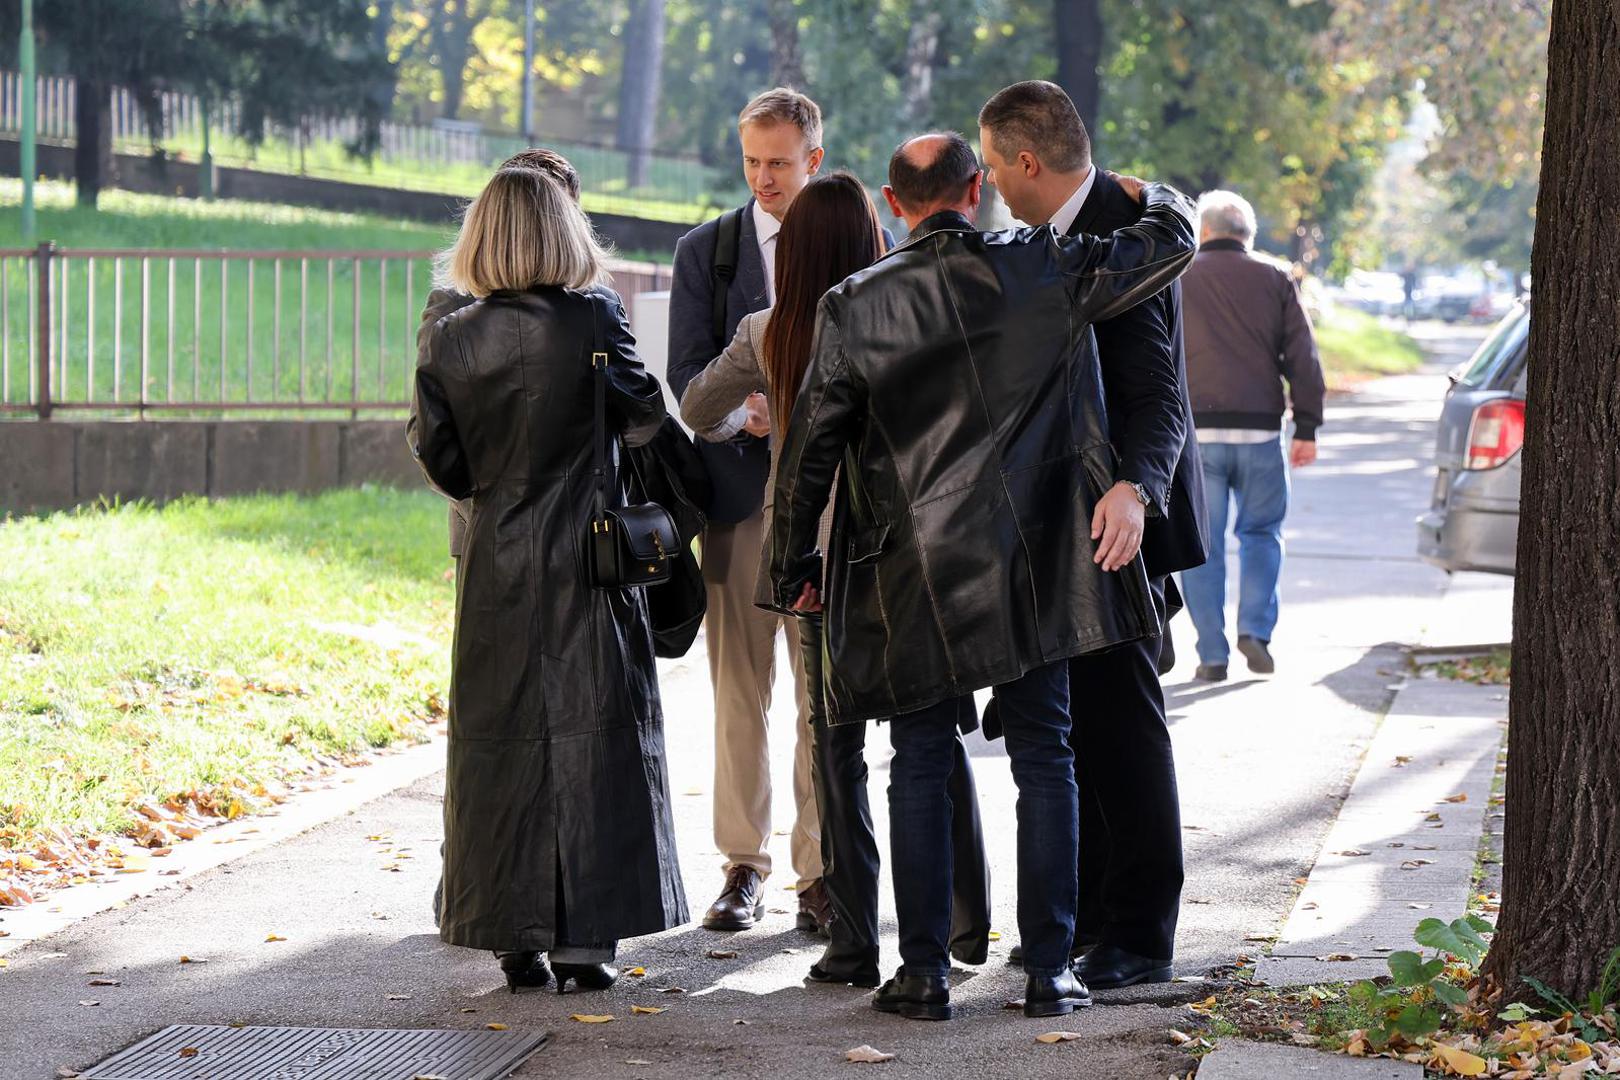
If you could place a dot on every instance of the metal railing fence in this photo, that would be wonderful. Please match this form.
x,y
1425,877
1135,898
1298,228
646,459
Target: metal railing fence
x,y
160,332
418,156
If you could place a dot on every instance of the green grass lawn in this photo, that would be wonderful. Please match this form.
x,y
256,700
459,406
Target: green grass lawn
x,y
202,649
1356,346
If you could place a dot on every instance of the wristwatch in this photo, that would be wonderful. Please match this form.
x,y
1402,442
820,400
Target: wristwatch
x,y
1141,492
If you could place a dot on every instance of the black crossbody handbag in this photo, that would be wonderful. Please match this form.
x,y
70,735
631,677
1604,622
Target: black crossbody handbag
x,y
629,546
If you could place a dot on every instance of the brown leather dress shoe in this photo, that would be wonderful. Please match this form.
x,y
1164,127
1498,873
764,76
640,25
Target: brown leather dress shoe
x,y
741,904
815,908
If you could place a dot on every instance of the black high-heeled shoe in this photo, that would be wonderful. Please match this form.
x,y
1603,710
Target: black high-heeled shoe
x,y
524,970
588,976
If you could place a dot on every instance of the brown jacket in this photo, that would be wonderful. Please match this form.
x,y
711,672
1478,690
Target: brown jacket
x,y
1247,332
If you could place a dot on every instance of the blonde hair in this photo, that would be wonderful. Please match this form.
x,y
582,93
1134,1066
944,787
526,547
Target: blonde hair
x,y
522,231
784,106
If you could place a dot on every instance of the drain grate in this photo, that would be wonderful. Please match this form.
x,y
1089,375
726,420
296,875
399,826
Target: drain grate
x,y
204,1052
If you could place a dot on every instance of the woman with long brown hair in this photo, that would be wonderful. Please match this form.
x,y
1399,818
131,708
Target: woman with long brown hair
x,y
830,232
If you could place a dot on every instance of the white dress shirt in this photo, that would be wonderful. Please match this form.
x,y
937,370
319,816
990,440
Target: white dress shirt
x,y
766,227
1063,220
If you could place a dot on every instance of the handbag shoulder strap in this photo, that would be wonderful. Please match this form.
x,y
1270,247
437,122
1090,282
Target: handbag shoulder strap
x,y
599,362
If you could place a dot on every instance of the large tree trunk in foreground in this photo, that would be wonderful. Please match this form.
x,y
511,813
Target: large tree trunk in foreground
x,y
1561,856
639,85
1079,51
92,135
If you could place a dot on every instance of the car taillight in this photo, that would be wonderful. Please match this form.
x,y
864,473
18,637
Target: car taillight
x,y
1495,434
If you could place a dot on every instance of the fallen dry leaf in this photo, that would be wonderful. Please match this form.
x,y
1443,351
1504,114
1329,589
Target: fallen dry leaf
x,y
1460,797
995,935
1337,957
636,972
495,1027
104,982
399,997
65,1073
193,960
590,1018
89,1003
188,1051
275,937
1415,864
1353,853
673,990
1203,1006
868,1055
1180,1038
644,1010
1459,1062
722,954
1058,1037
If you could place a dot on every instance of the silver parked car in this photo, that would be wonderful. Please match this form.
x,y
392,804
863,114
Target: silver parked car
x,y
1473,522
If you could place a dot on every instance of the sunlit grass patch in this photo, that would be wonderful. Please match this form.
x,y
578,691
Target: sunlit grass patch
x,y
198,651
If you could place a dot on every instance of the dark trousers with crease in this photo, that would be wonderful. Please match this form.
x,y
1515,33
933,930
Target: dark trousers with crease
x,y
1130,867
849,851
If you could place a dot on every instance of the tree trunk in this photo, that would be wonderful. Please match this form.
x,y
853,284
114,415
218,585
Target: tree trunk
x,y
453,41
1079,52
92,149
787,58
639,85
922,49
1561,855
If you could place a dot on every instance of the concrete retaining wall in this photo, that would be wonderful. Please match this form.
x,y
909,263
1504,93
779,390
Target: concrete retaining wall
x,y
161,176
54,465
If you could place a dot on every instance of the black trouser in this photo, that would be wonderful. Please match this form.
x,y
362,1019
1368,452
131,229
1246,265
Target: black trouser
x,y
849,852
1130,812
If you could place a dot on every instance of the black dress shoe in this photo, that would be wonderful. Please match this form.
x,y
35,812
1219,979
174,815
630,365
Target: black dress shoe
x,y
915,997
741,904
815,909
588,976
1257,654
524,970
1055,995
1210,673
1108,967
845,971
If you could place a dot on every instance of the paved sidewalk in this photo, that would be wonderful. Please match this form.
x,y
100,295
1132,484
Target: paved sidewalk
x,y
1263,766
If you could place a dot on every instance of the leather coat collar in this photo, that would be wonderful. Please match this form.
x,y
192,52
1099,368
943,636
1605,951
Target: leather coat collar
x,y
944,221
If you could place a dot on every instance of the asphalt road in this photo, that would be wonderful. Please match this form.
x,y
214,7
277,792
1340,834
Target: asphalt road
x,y
1263,764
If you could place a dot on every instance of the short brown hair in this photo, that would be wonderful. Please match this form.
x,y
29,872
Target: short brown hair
x,y
521,232
918,186
549,162
1037,116
784,106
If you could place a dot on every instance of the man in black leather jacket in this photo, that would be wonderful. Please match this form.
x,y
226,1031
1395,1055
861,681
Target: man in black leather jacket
x,y
956,382
1038,155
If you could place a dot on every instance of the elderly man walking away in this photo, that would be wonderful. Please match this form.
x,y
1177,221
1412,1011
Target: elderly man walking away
x,y
1247,334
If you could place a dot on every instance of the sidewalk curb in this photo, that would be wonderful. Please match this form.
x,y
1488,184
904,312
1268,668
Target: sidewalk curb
x,y
342,793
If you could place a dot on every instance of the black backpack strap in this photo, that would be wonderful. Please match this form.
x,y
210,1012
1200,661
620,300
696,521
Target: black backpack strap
x,y
727,248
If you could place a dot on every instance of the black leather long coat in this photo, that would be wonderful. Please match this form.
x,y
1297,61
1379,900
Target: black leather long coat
x,y
961,372
556,808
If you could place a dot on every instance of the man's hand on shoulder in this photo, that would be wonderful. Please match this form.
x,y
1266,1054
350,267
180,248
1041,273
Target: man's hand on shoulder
x,y
1118,523
1131,184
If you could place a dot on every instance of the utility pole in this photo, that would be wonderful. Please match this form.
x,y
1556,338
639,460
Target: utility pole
x,y
528,70
25,58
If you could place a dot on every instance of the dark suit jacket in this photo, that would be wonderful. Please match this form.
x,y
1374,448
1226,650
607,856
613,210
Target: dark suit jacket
x,y
1144,368
738,468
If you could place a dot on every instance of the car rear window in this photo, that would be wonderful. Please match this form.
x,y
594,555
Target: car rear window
x,y
1498,360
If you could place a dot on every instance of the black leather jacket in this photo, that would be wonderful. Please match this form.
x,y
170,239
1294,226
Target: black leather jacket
x,y
957,381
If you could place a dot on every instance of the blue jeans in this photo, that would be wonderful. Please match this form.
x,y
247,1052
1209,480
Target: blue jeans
x,y
1035,719
1257,477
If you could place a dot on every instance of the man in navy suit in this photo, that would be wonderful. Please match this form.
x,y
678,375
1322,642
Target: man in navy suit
x,y
725,269
1038,155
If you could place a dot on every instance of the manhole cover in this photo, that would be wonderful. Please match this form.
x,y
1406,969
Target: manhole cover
x,y
204,1052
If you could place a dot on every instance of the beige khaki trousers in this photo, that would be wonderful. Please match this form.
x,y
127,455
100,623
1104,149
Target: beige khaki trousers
x,y
741,642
